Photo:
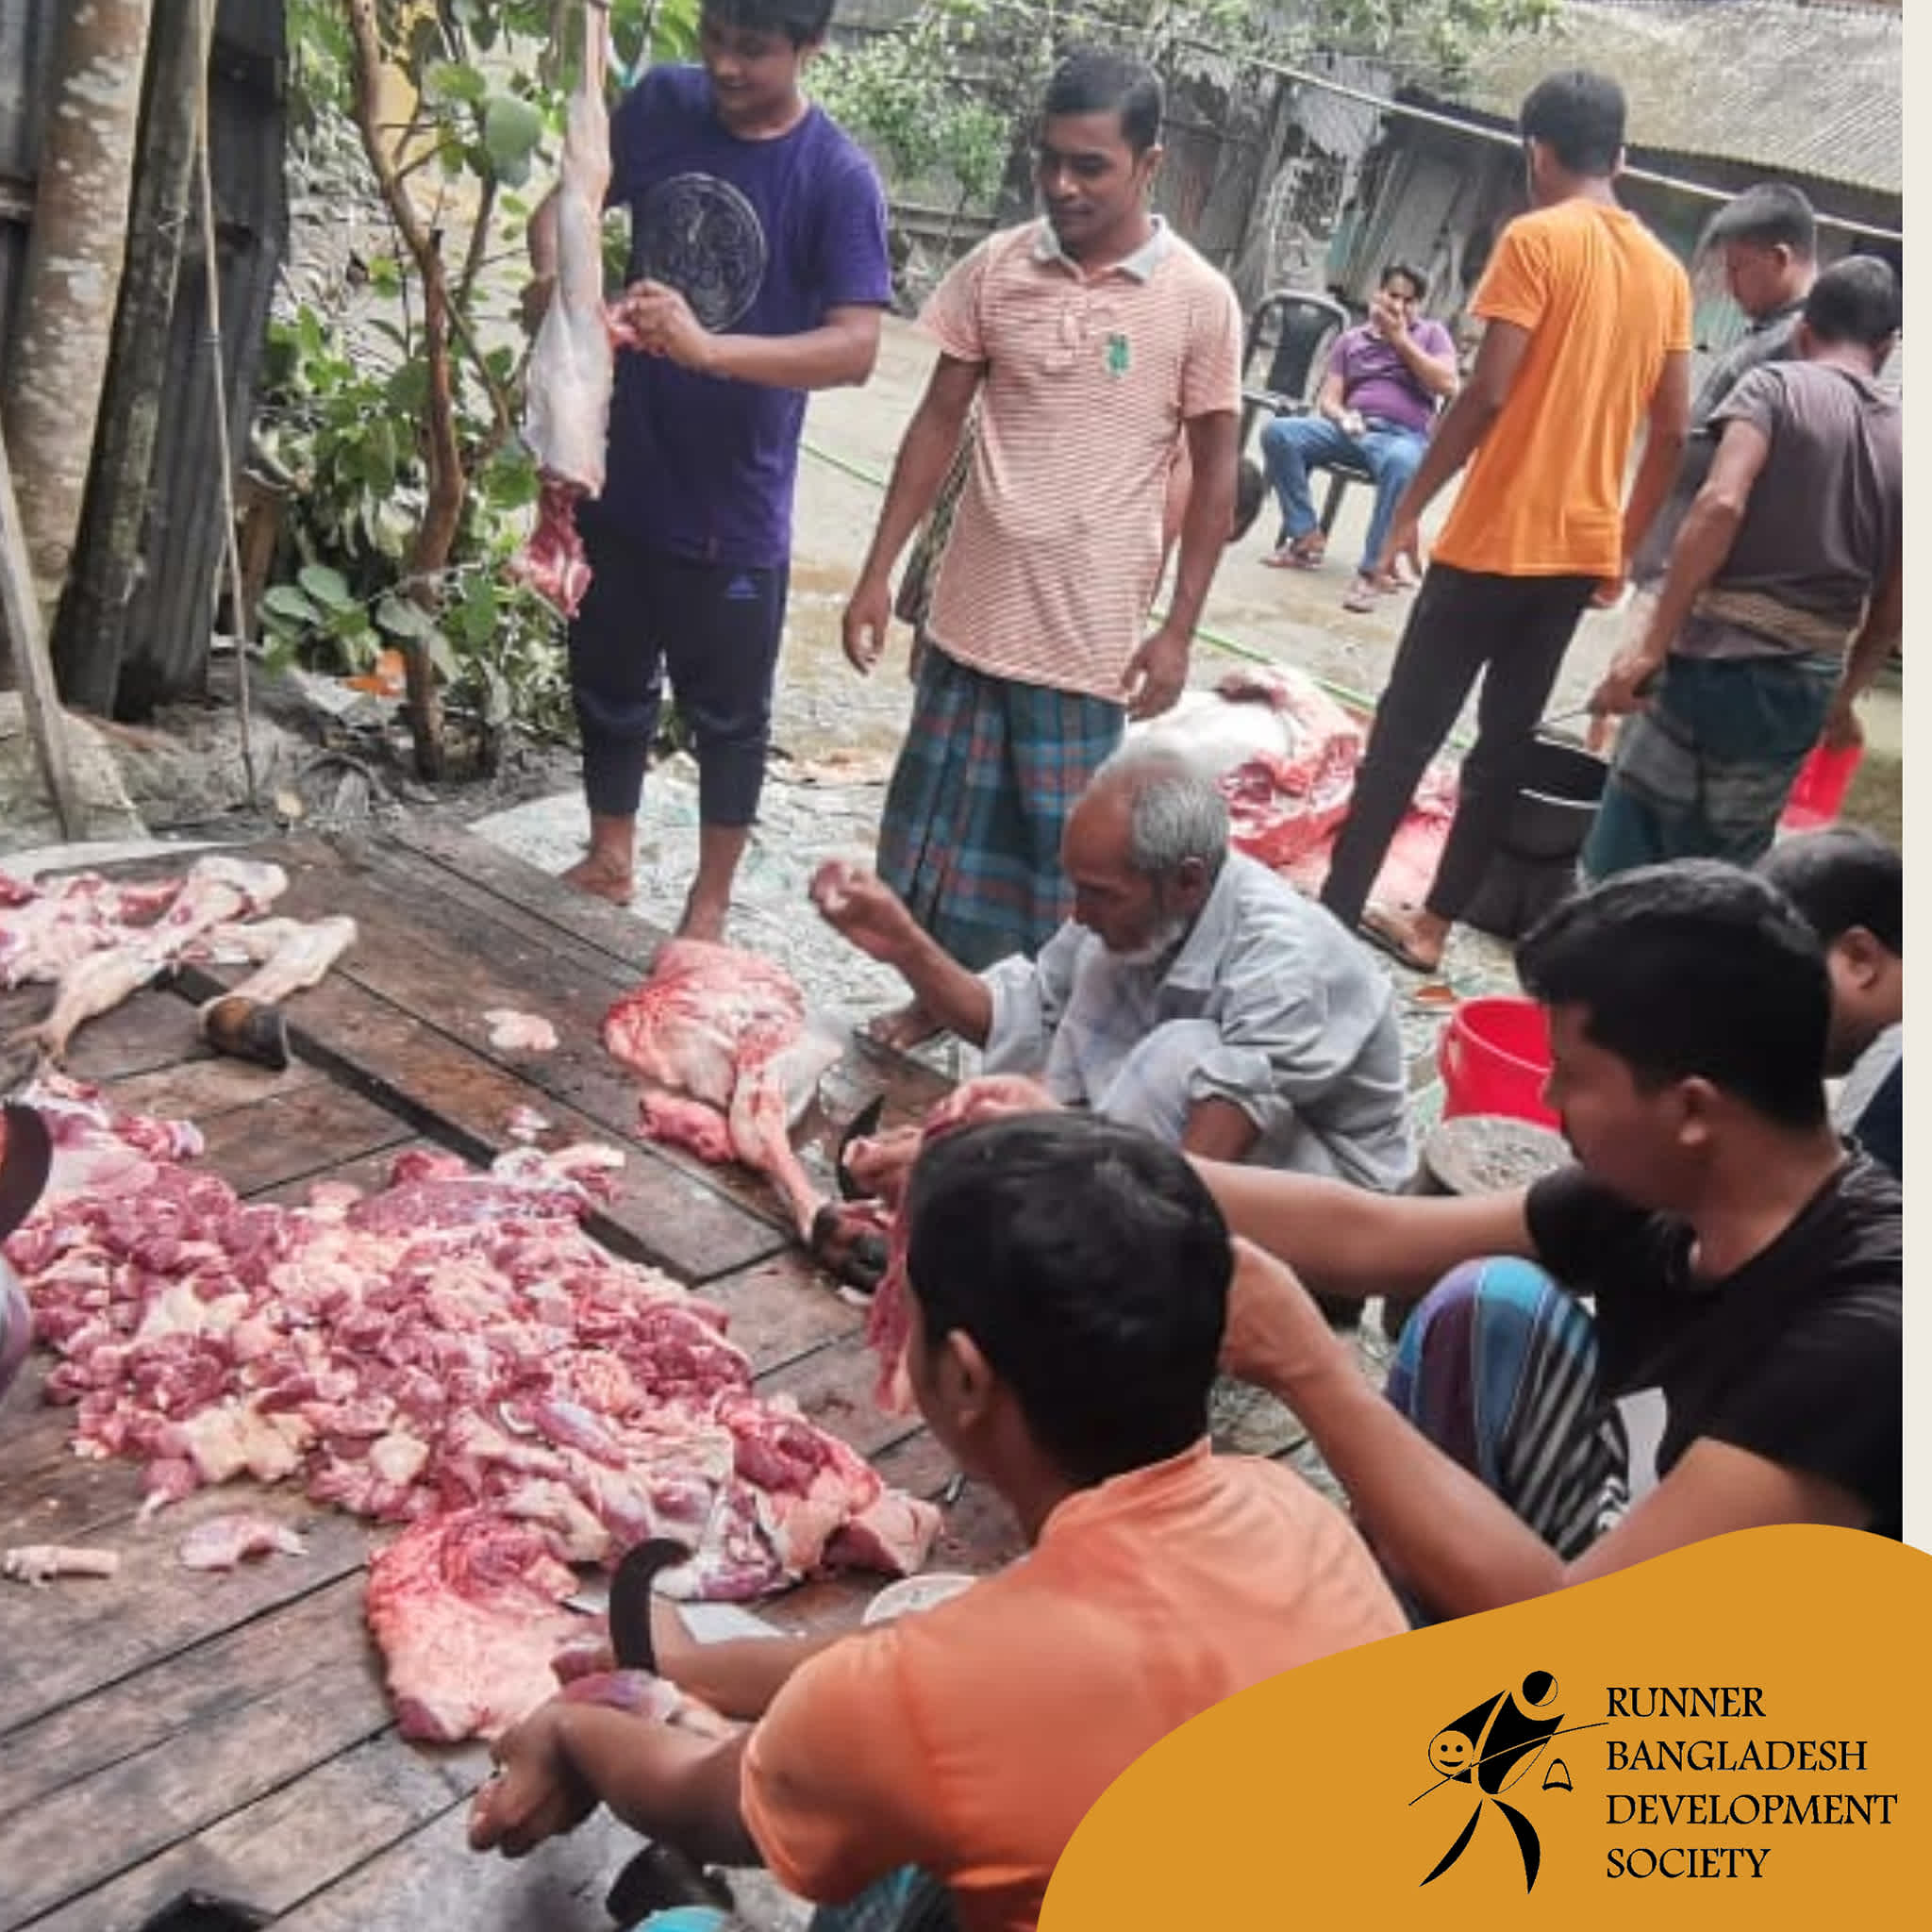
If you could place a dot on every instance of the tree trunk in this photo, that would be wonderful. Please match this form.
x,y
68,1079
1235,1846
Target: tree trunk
x,y
442,453
90,631
73,276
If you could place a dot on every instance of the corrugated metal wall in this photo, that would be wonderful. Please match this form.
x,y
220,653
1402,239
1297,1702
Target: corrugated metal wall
x,y
26,37
166,652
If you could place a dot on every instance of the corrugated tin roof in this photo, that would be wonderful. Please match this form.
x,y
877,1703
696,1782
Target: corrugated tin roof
x,y
1802,90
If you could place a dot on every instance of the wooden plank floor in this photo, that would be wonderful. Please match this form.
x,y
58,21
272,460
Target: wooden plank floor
x,y
165,1730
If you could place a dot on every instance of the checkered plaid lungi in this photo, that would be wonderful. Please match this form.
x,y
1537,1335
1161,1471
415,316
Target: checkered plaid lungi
x,y
971,834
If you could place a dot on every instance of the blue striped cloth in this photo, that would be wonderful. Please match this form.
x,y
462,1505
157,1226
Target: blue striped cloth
x,y
1497,1367
971,834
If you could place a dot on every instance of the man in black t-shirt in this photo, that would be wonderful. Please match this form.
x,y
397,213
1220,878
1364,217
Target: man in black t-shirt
x,y
1851,885
1743,1362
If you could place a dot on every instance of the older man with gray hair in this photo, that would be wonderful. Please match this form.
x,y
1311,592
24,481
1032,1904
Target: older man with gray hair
x,y
1192,993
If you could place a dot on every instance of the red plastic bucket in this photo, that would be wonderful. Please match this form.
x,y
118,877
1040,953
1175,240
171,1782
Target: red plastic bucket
x,y
1494,1057
1819,794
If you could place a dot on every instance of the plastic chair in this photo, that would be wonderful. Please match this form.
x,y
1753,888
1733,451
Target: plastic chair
x,y
1288,335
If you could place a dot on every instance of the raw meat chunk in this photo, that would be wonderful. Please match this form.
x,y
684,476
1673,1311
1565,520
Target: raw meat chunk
x,y
222,1543
468,1611
727,1030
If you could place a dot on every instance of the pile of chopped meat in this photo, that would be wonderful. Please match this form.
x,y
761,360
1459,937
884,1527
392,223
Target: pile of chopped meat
x,y
453,1350
722,1036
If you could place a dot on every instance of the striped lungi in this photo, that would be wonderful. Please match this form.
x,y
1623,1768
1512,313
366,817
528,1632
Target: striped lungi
x,y
971,834
1706,769
1498,1368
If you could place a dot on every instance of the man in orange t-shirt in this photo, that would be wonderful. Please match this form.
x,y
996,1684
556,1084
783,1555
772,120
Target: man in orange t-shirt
x,y
1068,1280
1587,337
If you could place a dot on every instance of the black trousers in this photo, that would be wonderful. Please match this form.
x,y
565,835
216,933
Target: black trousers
x,y
1512,633
716,628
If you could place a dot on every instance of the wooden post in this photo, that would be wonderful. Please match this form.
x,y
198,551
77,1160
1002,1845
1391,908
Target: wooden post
x,y
58,358
20,618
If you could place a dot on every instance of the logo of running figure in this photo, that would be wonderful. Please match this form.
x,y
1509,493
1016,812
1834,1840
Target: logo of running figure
x,y
1491,1749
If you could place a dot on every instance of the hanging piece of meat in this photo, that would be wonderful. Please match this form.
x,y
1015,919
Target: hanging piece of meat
x,y
723,1034
568,409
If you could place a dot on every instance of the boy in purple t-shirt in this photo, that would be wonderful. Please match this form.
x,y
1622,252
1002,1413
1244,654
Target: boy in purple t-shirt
x,y
1375,407
759,271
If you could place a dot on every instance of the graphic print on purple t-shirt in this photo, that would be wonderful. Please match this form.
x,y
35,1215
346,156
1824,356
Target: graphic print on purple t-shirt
x,y
1376,381
761,238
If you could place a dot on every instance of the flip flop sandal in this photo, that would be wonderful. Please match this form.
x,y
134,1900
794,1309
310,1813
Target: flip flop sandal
x,y
1388,944
1363,598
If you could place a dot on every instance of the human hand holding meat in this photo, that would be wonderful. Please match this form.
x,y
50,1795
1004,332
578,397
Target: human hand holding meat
x,y
659,321
665,1780
859,906
881,1164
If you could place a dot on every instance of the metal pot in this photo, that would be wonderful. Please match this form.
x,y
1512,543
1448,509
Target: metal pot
x,y
1557,797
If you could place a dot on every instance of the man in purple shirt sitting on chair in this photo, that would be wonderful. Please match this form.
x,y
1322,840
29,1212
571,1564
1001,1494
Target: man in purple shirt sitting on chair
x,y
1375,407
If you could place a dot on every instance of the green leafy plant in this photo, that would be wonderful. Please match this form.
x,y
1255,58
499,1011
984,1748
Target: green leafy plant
x,y
395,408
337,424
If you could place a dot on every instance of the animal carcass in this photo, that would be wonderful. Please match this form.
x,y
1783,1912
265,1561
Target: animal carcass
x,y
723,1035
101,942
1282,750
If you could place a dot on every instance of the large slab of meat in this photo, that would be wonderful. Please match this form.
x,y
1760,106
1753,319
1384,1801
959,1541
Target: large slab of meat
x,y
722,1036
1284,755
454,1346
1282,750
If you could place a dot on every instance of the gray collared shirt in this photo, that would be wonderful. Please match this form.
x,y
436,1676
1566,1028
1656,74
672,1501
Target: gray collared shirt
x,y
1301,1032
1771,338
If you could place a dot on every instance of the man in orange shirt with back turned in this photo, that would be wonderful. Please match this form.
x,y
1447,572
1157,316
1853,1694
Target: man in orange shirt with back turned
x,y
1068,1282
1587,335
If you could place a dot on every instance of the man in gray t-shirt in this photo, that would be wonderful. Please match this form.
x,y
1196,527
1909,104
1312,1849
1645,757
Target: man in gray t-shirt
x,y
1781,600
1767,240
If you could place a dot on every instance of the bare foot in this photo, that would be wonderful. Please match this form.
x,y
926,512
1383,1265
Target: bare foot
x,y
704,919
601,879
903,1030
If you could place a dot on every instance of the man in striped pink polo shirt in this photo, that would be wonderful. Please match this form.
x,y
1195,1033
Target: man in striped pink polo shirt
x,y
1103,351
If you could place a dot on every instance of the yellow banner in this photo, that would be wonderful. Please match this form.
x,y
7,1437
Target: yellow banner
x,y
1737,1734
